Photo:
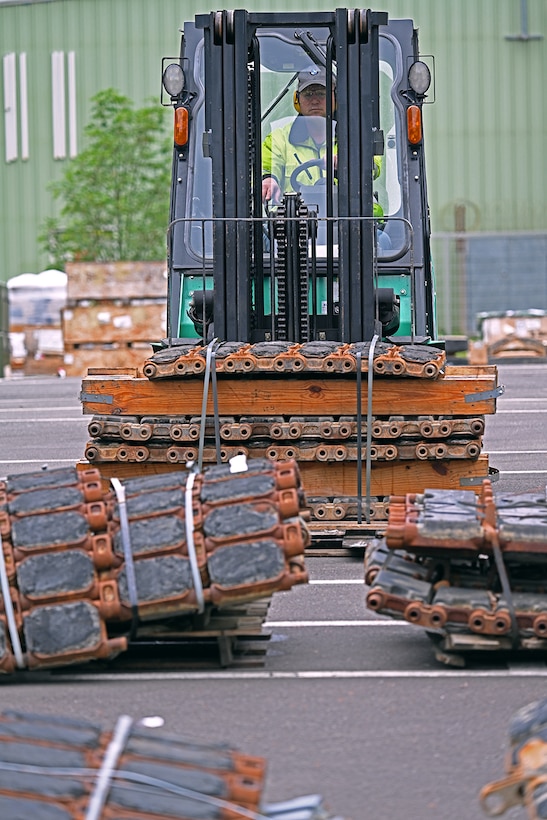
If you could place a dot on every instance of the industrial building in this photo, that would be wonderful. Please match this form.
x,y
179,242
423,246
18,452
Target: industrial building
x,y
486,128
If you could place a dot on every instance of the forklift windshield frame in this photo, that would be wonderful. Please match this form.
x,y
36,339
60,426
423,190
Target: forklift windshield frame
x,y
282,56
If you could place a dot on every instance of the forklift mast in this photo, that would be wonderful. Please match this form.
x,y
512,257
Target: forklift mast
x,y
320,265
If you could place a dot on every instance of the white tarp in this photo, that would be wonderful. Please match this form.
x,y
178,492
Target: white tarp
x,y
37,298
46,279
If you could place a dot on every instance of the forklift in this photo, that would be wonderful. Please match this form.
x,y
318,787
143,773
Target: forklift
x,y
321,265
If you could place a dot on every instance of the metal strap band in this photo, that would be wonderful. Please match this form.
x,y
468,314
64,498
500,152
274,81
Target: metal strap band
x,y
506,588
370,379
108,769
359,380
216,417
119,489
189,524
10,615
486,394
211,347
96,398
471,481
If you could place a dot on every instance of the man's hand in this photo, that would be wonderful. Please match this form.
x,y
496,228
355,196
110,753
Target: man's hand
x,y
270,190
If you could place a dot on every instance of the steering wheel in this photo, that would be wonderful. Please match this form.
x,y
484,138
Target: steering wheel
x,y
311,163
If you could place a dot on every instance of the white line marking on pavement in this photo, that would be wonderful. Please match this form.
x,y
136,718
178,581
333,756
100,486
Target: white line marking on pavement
x,y
303,624
338,581
39,421
517,400
515,452
44,460
33,408
372,674
522,472
519,412
524,669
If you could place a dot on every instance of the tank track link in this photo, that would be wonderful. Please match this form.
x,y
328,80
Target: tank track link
x,y
464,566
176,545
317,357
135,430
458,448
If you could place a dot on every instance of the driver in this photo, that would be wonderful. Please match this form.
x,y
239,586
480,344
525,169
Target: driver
x,y
301,140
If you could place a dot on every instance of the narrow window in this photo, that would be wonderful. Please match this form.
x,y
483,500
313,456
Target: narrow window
x,y
10,107
23,104
72,138
58,104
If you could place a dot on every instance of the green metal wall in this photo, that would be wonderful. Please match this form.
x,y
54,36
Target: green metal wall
x,y
486,132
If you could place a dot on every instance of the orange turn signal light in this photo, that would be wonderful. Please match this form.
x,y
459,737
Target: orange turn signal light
x,y
181,126
414,124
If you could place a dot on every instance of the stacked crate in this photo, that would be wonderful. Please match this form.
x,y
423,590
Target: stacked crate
x,y
510,335
35,303
113,312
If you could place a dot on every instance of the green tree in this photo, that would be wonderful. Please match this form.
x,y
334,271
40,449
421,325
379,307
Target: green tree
x,y
115,193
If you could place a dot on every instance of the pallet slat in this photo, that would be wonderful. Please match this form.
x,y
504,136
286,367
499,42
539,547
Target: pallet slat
x,y
452,395
340,478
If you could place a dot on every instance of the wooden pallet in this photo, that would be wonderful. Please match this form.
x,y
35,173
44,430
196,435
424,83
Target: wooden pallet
x,y
340,478
462,392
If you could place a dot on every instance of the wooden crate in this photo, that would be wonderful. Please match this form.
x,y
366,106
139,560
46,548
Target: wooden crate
x,y
109,321
116,280
114,311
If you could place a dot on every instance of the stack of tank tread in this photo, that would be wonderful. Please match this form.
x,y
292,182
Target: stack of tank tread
x,y
525,781
79,561
289,357
54,768
308,402
467,568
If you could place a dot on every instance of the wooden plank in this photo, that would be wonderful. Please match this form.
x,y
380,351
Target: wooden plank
x,y
115,280
391,478
340,478
106,321
291,396
123,470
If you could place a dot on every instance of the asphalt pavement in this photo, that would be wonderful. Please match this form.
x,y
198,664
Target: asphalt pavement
x,y
347,704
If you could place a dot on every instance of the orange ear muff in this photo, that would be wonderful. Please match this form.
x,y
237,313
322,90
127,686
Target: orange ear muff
x,y
296,101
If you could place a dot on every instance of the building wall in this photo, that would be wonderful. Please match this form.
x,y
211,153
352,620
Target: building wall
x,y
485,133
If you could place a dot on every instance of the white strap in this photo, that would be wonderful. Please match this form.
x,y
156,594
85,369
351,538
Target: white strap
x,y
10,615
189,524
210,367
119,489
107,771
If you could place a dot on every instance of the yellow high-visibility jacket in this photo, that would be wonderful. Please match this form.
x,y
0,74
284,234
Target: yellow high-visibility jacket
x,y
287,147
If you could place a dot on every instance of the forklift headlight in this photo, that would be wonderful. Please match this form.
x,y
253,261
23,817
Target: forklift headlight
x,y
173,80
419,77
